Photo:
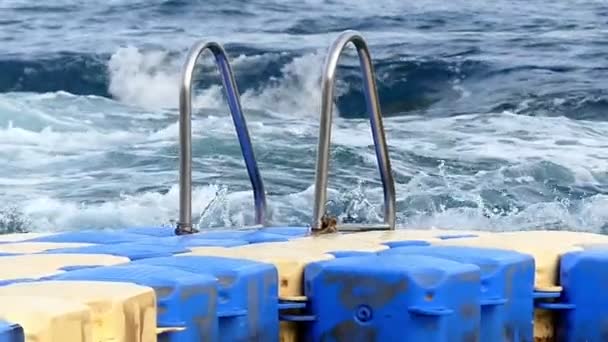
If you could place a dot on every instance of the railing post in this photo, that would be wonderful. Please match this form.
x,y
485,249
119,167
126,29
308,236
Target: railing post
x,y
184,226
373,108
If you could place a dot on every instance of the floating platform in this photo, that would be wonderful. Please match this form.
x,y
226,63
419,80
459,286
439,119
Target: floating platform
x,y
344,283
282,284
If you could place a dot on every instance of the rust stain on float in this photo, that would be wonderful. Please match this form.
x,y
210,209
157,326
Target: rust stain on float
x,y
204,323
473,276
163,291
210,291
472,336
349,331
427,279
544,330
469,310
131,334
509,281
508,333
253,303
379,292
225,280
429,323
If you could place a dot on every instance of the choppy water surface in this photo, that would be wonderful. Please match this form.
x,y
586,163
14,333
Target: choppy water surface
x,y
496,113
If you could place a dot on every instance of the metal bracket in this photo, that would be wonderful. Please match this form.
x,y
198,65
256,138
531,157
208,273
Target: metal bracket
x,y
298,316
549,300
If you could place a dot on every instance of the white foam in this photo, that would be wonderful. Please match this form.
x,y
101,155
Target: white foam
x,y
148,208
49,140
588,216
517,139
296,94
231,209
145,79
150,79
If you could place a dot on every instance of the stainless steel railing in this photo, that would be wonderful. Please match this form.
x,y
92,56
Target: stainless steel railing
x,y
184,226
371,96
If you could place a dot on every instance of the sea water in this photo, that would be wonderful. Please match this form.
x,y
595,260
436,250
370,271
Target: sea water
x,y
496,113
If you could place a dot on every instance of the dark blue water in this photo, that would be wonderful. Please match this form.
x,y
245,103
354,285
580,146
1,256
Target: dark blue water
x,y
496,113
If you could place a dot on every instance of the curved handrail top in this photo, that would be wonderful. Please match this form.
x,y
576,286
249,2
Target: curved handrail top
x,y
373,107
185,132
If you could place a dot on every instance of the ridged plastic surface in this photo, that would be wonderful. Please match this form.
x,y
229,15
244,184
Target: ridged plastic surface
x,y
11,332
251,236
185,300
120,312
507,278
584,276
48,319
35,266
280,284
187,241
547,248
288,231
21,237
151,231
289,263
90,236
36,247
247,290
394,298
131,250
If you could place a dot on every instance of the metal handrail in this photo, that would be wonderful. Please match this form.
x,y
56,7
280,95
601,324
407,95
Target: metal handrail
x,y
184,226
373,107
